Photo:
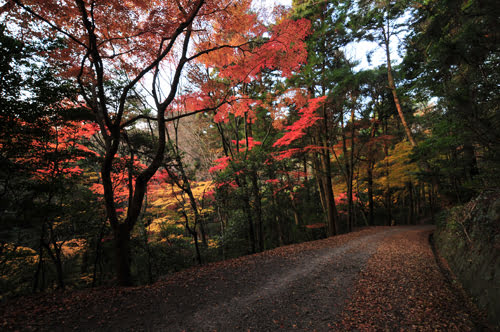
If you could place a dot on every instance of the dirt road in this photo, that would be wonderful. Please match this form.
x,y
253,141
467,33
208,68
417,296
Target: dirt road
x,y
383,278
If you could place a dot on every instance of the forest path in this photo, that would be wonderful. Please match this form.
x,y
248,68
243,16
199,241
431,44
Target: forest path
x,y
303,291
379,278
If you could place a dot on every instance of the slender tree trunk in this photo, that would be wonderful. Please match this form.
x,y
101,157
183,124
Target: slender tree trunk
x,y
251,228
392,86
296,214
471,161
197,247
98,253
281,236
204,241
411,204
350,201
258,210
431,202
369,173
417,200
295,210
277,219
326,181
388,198
319,182
222,230
331,209
55,255
39,265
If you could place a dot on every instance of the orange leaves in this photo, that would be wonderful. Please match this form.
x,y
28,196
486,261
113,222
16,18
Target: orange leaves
x,y
287,47
284,51
402,288
232,27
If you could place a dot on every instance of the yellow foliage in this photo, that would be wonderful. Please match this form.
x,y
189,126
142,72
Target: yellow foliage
x,y
73,247
173,198
172,203
401,168
213,243
16,258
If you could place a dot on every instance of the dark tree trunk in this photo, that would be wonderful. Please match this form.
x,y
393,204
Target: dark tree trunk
x,y
350,181
122,254
470,158
411,205
55,255
388,198
204,240
369,174
258,210
251,228
319,182
197,247
97,256
371,212
331,209
431,203
39,266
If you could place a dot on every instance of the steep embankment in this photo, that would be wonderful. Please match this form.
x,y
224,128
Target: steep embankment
x,y
469,238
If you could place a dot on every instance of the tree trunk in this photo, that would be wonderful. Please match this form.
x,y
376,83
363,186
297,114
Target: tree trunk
x,y
369,172
122,254
251,229
392,86
332,226
204,241
471,161
197,247
97,256
327,189
431,203
411,204
388,198
258,210
350,201
319,182
38,267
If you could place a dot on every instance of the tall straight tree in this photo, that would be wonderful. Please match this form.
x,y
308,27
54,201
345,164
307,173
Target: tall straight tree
x,y
320,77
380,21
129,42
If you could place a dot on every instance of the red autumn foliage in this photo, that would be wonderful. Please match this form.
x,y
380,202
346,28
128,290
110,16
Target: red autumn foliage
x,y
58,151
251,143
222,164
307,119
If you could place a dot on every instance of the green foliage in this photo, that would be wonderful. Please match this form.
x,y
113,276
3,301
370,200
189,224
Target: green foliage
x,y
459,68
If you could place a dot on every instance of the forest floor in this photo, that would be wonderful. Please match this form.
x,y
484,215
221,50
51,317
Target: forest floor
x,y
379,278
